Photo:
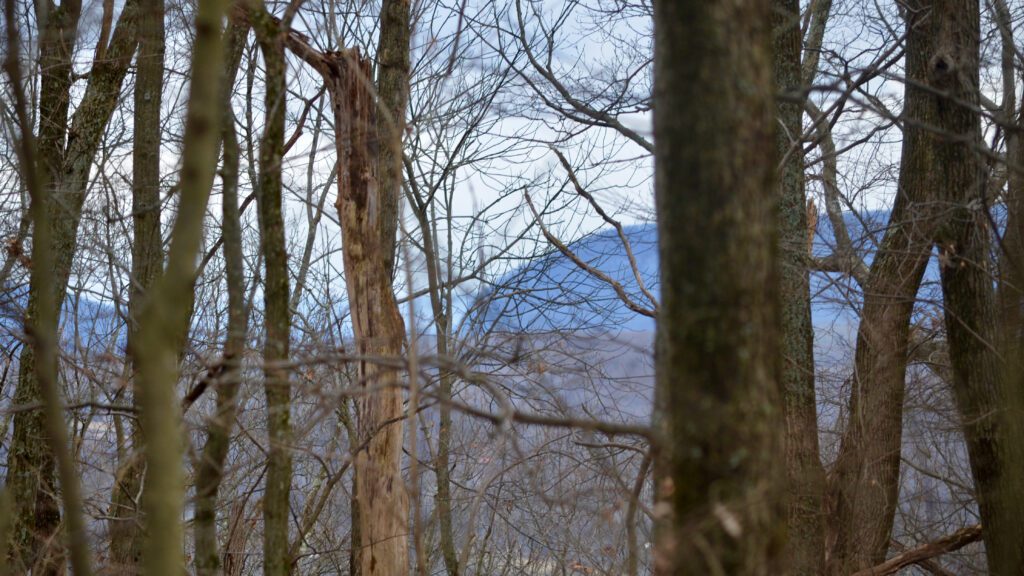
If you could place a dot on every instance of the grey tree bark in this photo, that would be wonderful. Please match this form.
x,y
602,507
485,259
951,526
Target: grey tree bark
x,y
147,261
271,35
210,468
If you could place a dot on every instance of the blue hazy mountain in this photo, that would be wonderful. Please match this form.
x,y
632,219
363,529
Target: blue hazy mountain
x,y
85,323
553,293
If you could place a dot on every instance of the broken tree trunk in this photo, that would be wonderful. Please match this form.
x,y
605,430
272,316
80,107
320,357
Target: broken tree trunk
x,y
377,324
369,123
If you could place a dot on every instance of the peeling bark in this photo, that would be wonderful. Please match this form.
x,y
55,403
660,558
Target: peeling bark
x,y
377,323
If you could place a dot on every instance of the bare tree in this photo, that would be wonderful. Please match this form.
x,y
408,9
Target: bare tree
x,y
147,256
66,152
166,312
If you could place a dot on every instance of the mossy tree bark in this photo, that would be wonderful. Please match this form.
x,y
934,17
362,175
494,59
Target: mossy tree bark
x,y
41,327
210,468
719,455
66,156
804,472
271,35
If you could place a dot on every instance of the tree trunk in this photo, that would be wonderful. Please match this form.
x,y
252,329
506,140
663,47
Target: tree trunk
x,y
1011,258
30,465
210,469
949,43
866,488
41,327
165,314
147,261
441,309
30,479
377,324
804,472
718,461
368,138
271,37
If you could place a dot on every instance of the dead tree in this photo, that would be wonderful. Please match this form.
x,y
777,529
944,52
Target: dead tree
x,y
369,124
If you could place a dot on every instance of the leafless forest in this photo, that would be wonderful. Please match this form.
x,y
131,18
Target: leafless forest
x,y
512,287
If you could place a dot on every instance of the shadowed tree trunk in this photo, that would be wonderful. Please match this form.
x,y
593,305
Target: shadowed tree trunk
x,y
165,314
949,45
30,480
66,156
939,200
866,482
41,328
804,472
1011,258
719,454
147,261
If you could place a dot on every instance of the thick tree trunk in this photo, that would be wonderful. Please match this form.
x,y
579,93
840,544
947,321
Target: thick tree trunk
x,y
41,327
866,475
804,472
147,261
989,408
31,481
368,138
165,314
866,485
377,324
66,165
940,199
719,454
